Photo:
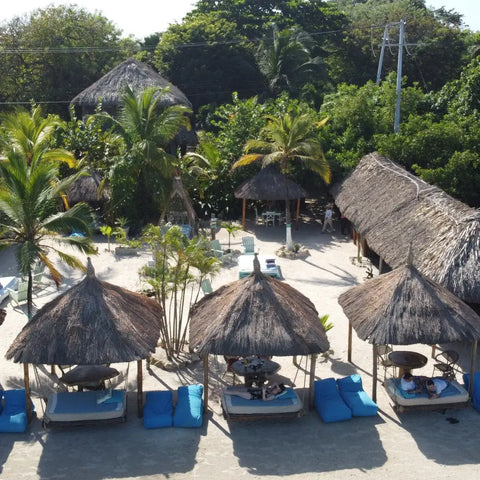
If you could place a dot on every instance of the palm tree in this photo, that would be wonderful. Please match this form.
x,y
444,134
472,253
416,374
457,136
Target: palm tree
x,y
146,169
289,138
29,201
287,62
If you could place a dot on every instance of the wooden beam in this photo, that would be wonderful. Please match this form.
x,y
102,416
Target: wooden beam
x,y
244,212
297,221
313,361
349,349
28,398
205,384
139,388
472,368
375,374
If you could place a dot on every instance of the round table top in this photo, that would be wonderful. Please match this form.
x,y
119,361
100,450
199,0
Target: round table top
x,y
255,366
407,359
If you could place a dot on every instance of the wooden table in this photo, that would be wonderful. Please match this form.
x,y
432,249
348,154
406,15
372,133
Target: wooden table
x,y
255,369
407,360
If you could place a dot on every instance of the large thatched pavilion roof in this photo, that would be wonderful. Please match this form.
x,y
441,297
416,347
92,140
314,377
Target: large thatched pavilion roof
x,y
87,189
403,307
256,315
92,323
133,73
395,210
269,184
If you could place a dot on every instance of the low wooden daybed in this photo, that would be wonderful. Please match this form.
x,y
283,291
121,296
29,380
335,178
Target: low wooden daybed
x,y
287,405
81,408
454,396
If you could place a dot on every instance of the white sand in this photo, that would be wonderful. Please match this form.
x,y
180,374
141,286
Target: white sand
x,y
405,446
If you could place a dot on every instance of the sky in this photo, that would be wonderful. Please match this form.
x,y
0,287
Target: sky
x,y
141,18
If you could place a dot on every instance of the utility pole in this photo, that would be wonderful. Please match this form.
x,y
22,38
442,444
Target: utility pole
x,y
396,123
382,53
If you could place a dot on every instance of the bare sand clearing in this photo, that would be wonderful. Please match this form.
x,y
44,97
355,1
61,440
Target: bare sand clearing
x,y
391,445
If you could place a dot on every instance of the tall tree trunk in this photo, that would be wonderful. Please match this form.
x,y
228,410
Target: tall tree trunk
x,y
288,217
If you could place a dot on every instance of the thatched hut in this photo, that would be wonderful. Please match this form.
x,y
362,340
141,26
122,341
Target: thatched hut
x,y
256,315
269,184
404,307
138,76
92,323
393,210
87,188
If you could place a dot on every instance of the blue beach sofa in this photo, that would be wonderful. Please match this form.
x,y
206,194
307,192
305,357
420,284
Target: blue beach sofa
x,y
158,409
328,402
351,390
13,415
189,407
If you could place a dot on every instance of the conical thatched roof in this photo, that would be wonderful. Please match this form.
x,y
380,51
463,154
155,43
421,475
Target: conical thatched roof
x,y
86,189
394,209
403,307
256,315
92,323
269,184
138,76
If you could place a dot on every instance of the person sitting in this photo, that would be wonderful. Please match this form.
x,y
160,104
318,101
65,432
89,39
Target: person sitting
x,y
411,384
435,387
266,393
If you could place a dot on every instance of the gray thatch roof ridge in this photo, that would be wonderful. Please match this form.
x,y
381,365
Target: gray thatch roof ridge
x,y
138,76
256,315
269,184
403,307
86,189
394,209
92,323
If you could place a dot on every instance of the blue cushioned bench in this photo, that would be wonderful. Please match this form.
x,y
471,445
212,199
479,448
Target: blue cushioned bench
x,y
13,417
351,390
476,389
158,409
189,407
328,402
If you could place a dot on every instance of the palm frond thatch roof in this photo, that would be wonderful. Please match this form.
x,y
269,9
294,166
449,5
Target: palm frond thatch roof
x,y
138,76
403,307
393,210
86,189
269,184
256,315
92,323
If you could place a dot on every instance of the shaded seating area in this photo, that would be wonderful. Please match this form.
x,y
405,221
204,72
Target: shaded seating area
x,y
83,408
445,363
13,411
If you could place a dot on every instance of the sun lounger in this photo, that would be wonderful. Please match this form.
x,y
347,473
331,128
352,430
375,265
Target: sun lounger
x,y
328,402
454,396
13,417
268,265
158,409
189,407
287,404
351,390
91,407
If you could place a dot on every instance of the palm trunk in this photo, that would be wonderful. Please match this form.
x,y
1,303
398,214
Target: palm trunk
x,y
288,217
30,295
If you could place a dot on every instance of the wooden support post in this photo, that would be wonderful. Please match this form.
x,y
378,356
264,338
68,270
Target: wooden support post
x,y
375,373
205,383
244,212
28,399
349,349
380,266
139,389
313,361
472,368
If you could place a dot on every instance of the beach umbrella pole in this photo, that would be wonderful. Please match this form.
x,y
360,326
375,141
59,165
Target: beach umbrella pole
x,y
472,368
28,399
349,349
375,373
139,389
313,361
205,384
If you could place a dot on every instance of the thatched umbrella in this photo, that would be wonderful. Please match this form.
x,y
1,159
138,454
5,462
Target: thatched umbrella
x,y
393,209
256,315
92,323
404,307
87,189
269,184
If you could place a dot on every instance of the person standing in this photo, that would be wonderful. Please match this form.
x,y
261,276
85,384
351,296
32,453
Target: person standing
x,y
328,220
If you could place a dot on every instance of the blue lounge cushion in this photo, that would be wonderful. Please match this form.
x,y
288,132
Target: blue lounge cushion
x,y
189,407
14,416
354,396
328,402
1,402
158,409
476,389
